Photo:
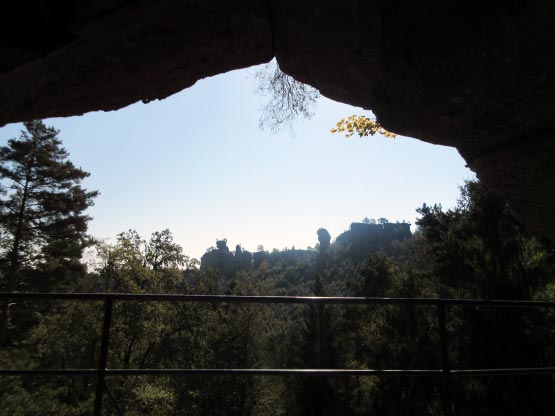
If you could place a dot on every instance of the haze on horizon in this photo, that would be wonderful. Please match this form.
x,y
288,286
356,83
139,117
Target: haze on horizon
x,y
198,164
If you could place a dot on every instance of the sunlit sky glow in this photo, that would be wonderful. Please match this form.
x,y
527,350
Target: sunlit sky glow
x,y
198,164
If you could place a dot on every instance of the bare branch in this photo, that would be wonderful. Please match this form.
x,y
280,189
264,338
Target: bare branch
x,y
288,98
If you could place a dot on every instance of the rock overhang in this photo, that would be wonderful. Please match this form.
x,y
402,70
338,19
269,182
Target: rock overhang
x,y
478,76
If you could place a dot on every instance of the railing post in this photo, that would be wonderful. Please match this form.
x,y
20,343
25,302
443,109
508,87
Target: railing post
x,y
445,368
103,359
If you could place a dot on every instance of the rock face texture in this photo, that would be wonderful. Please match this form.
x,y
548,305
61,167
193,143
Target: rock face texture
x,y
479,76
103,55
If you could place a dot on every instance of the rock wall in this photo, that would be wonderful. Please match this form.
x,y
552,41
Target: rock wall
x,y
107,55
479,76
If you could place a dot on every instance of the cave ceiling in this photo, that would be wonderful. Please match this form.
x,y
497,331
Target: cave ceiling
x,y
478,76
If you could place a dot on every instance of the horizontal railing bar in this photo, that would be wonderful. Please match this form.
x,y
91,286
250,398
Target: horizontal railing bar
x,y
273,299
277,372
222,372
270,372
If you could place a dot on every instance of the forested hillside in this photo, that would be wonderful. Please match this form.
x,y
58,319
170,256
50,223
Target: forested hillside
x,y
476,250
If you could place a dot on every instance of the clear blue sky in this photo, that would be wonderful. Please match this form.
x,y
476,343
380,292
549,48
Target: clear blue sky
x,y
198,164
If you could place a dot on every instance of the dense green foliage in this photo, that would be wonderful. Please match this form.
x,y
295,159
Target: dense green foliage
x,y
42,225
476,250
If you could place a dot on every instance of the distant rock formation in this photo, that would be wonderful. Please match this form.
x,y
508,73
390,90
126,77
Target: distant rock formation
x,y
219,258
356,244
362,238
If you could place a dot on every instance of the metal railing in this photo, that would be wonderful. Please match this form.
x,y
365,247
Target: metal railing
x,y
102,371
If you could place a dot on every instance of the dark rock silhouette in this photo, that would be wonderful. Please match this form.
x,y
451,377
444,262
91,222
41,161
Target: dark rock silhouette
x,y
219,258
478,76
324,238
362,239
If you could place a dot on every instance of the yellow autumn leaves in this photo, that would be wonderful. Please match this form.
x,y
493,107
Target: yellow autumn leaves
x,y
361,125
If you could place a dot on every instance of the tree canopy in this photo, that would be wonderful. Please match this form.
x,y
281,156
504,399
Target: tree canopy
x,y
477,249
42,219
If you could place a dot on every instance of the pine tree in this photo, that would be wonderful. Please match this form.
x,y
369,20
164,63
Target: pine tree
x,y
41,208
